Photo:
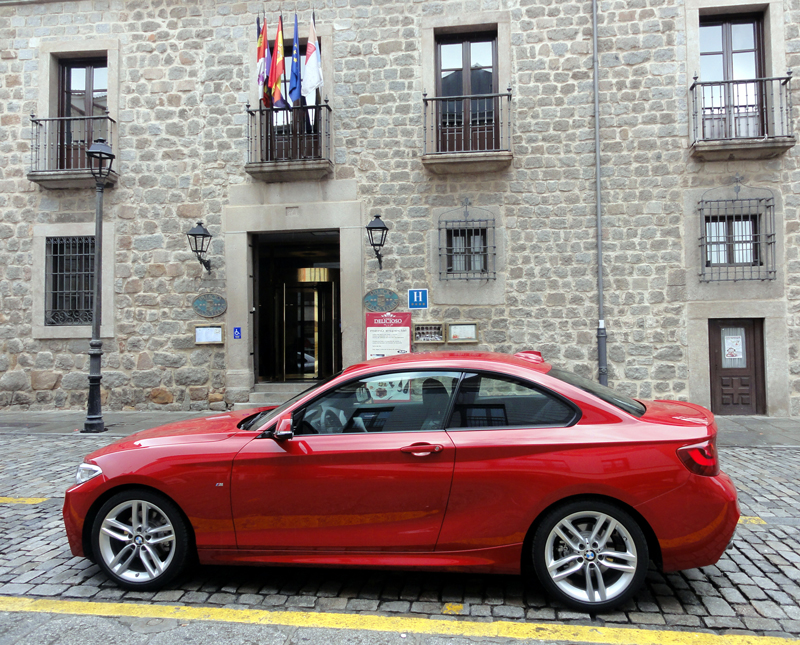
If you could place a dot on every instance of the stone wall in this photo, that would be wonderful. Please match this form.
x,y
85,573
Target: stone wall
x,y
186,73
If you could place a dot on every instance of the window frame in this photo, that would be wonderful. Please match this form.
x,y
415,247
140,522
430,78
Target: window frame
x,y
730,241
39,330
758,209
299,413
466,39
62,269
577,412
65,65
726,21
449,226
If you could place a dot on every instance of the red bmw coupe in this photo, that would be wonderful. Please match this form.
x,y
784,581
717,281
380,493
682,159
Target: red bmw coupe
x,y
448,460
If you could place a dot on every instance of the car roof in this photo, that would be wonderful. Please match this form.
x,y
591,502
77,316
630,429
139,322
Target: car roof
x,y
529,359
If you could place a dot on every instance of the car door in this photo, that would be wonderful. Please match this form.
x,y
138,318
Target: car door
x,y
508,435
369,468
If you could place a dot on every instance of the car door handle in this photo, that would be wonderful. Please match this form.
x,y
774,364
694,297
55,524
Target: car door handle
x,y
422,448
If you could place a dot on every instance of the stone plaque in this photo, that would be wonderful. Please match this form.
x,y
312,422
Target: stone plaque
x,y
381,300
209,305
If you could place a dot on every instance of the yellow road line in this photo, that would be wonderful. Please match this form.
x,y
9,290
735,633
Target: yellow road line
x,y
744,519
22,500
497,629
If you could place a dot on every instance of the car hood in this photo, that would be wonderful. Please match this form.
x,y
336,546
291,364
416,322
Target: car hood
x,y
198,430
678,413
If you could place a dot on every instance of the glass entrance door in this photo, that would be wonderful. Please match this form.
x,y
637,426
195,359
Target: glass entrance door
x,y
309,342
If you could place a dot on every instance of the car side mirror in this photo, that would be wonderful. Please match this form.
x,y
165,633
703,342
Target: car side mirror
x,y
283,430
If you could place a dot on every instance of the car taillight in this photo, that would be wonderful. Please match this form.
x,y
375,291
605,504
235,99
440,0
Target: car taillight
x,y
701,458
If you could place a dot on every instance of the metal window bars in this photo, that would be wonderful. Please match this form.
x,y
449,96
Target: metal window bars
x,y
737,240
60,143
467,248
471,123
759,108
69,280
297,133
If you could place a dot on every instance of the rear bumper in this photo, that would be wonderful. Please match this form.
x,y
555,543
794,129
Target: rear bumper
x,y
695,523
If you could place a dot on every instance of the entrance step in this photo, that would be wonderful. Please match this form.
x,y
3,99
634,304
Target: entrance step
x,y
273,393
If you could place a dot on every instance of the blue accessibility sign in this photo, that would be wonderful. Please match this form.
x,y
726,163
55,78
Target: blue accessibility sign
x,y
237,333
417,298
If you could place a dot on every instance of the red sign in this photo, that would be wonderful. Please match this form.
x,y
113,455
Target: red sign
x,y
388,334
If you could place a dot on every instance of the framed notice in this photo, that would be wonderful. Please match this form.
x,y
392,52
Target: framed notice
x,y
462,332
209,334
388,334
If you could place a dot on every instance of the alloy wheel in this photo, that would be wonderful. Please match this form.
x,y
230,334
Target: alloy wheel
x,y
136,541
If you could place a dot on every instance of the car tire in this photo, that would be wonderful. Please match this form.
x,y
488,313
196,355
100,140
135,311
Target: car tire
x,y
140,540
591,555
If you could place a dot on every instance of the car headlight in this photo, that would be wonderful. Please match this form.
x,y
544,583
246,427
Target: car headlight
x,y
86,472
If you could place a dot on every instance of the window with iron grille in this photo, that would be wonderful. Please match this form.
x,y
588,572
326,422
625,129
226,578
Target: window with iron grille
x,y
467,249
69,280
737,241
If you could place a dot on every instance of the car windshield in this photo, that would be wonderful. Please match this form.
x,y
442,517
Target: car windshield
x,y
267,415
600,391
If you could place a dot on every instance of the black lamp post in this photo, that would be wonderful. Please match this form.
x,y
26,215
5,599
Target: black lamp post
x,y
199,239
377,232
100,159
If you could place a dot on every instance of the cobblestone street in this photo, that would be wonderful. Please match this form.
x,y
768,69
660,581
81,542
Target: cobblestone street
x,y
755,588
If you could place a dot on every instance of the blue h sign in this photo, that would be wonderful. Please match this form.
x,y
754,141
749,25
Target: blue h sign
x,y
417,298
237,333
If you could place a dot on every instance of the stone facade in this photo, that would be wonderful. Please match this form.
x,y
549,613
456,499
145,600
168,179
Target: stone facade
x,y
184,73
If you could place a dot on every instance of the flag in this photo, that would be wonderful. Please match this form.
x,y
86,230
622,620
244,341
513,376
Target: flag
x,y
294,79
264,90
261,65
313,78
277,69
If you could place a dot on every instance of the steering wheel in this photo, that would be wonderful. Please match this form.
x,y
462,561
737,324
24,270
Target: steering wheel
x,y
332,419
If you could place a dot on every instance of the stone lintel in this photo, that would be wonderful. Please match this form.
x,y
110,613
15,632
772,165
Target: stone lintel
x,y
467,162
279,171
57,179
736,149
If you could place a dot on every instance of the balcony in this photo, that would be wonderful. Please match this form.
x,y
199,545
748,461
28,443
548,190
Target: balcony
x,y
747,119
58,150
289,144
467,134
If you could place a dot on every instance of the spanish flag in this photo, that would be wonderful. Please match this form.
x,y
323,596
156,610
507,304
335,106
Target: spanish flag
x,y
277,69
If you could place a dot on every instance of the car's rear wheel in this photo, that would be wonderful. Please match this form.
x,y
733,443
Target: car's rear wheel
x,y
140,539
590,555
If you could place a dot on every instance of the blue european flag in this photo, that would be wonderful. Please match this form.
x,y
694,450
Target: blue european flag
x,y
294,80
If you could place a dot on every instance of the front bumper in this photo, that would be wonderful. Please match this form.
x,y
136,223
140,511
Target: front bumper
x,y
78,501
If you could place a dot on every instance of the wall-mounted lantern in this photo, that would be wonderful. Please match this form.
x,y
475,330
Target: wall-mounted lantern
x,y
377,232
199,239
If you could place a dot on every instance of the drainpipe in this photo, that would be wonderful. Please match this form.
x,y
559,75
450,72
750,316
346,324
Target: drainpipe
x,y
602,357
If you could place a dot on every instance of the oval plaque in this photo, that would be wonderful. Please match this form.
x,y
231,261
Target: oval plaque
x,y
381,300
209,305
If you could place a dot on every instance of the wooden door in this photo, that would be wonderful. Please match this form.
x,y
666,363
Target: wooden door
x,y
736,360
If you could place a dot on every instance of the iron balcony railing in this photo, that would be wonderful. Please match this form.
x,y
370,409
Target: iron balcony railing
x,y
60,143
473,123
759,108
301,133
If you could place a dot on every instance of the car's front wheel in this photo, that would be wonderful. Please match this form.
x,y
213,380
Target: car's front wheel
x,y
140,539
591,555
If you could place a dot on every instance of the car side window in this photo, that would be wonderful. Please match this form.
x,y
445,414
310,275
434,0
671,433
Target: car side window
x,y
396,402
485,401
